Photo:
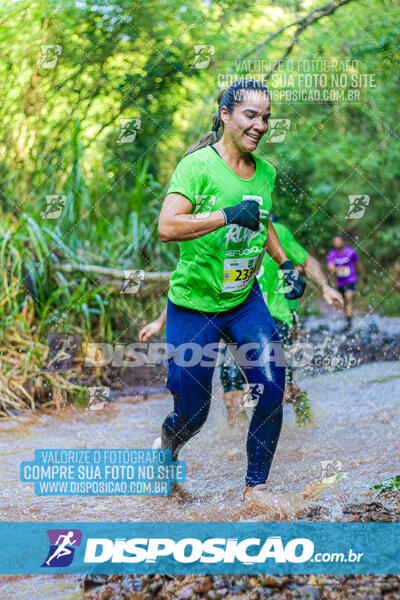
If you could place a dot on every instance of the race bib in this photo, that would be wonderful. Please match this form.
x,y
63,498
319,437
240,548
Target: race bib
x,y
343,271
238,272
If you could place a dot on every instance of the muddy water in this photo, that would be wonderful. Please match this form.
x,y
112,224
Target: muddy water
x,y
356,422
40,587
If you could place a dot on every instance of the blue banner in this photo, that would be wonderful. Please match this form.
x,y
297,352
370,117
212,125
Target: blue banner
x,y
251,547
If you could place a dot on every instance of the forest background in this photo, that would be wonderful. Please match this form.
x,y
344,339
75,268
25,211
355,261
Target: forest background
x,y
100,101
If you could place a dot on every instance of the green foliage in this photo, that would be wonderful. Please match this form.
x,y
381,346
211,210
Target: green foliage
x,y
29,267
61,130
388,485
81,396
302,410
338,149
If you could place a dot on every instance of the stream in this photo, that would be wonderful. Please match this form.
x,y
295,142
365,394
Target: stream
x,y
356,424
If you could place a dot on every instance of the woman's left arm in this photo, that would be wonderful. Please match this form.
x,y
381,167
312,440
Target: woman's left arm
x,y
294,281
273,245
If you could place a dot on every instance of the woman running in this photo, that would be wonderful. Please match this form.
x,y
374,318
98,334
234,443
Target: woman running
x,y
217,206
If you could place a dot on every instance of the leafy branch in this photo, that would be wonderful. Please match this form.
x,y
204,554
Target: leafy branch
x,y
301,25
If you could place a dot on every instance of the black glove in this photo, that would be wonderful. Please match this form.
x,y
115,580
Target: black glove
x,y
245,213
294,279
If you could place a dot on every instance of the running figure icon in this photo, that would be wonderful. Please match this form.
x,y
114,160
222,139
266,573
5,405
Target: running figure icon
x,y
62,549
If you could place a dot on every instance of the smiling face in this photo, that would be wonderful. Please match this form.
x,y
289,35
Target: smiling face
x,y
248,121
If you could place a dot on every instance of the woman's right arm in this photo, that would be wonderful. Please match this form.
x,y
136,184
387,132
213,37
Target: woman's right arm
x,y
177,224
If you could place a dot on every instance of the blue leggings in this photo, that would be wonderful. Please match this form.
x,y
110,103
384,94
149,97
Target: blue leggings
x,y
193,335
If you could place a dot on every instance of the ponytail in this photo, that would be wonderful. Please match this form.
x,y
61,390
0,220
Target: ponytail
x,y
211,137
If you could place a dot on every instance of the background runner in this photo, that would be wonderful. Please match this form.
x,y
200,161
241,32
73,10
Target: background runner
x,y
342,261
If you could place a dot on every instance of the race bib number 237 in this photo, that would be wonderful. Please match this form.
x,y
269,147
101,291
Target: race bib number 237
x,y
238,272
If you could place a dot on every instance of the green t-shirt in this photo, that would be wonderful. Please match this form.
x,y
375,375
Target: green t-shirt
x,y
271,284
293,304
215,272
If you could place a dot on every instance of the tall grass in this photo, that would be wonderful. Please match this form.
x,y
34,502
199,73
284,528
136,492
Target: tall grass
x,y
97,226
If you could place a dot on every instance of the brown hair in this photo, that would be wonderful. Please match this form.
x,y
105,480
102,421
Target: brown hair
x,y
229,97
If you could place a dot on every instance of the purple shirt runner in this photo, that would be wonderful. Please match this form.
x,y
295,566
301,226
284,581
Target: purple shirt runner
x,y
344,261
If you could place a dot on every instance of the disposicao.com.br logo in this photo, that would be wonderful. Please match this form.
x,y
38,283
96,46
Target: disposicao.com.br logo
x,y
190,550
248,551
